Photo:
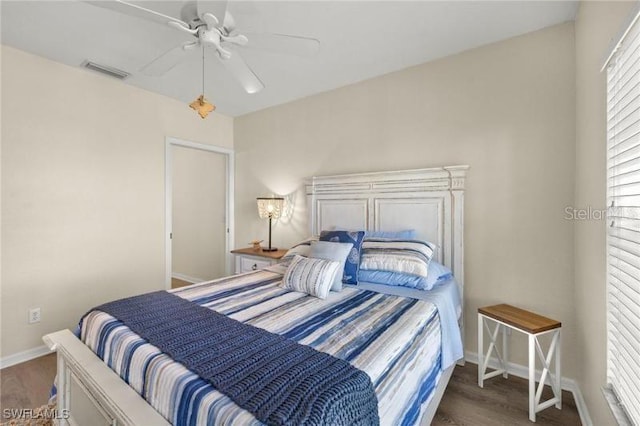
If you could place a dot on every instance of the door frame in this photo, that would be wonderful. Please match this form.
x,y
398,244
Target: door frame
x,y
168,199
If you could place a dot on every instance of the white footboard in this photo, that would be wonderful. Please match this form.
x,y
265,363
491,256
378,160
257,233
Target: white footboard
x,y
90,393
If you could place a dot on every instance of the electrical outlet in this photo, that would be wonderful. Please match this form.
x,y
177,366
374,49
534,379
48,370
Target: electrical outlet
x,y
34,315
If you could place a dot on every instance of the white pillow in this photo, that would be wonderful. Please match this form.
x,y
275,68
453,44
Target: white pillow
x,y
330,250
403,256
302,248
311,276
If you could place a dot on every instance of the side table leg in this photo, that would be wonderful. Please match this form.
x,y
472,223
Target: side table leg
x,y
480,351
505,351
558,370
532,378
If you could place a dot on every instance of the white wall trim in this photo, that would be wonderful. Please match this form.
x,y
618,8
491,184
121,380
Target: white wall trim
x,y
581,404
186,278
522,371
230,199
616,42
24,356
617,409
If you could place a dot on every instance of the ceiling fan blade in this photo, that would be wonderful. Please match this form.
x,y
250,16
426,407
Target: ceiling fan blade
x,y
283,43
210,20
239,69
168,60
137,11
229,24
239,39
182,28
217,8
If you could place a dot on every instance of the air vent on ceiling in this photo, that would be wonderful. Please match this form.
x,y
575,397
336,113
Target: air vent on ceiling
x,y
104,69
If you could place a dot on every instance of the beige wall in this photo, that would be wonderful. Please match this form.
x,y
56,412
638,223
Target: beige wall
x,y
199,184
83,163
597,24
82,190
507,110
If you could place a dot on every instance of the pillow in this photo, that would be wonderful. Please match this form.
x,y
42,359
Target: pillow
x,y
332,251
311,276
437,274
302,248
406,256
393,279
407,234
352,263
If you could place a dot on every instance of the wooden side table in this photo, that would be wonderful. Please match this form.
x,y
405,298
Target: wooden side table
x,y
533,325
248,259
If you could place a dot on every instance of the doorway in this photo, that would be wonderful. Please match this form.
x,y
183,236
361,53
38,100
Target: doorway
x,y
199,211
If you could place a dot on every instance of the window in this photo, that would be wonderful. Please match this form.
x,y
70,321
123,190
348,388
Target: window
x,y
623,239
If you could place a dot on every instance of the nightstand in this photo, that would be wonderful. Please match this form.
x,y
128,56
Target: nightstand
x,y
533,325
248,259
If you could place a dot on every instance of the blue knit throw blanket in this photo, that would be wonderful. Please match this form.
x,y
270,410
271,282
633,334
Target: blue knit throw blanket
x,y
278,380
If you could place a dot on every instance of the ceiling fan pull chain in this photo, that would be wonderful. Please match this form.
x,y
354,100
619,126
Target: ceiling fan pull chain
x,y
200,105
203,70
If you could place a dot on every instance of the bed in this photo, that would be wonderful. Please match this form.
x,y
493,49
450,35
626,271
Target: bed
x,y
397,338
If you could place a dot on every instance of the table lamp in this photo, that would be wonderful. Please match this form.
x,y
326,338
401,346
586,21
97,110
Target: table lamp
x,y
270,208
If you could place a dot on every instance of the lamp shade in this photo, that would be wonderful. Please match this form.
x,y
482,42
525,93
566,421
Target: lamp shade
x,y
270,208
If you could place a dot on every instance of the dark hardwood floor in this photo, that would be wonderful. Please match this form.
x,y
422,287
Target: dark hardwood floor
x,y
501,402
27,385
177,283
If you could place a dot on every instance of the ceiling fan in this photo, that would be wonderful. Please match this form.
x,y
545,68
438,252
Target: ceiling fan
x,y
214,30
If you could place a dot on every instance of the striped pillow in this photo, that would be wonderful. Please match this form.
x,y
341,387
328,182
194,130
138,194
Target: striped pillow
x,y
405,256
311,276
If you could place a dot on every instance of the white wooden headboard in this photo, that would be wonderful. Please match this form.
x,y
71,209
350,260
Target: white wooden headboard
x,y
431,201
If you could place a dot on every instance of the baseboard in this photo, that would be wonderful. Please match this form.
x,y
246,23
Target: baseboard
x,y
581,404
186,278
24,356
522,371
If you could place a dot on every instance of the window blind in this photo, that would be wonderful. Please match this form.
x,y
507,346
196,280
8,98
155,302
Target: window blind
x,y
623,239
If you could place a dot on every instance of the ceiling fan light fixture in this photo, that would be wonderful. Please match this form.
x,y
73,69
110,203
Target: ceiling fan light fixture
x,y
202,106
214,28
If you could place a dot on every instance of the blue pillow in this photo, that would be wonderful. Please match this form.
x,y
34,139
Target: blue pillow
x,y
393,279
408,234
437,274
352,264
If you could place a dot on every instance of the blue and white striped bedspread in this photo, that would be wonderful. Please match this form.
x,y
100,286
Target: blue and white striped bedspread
x,y
395,340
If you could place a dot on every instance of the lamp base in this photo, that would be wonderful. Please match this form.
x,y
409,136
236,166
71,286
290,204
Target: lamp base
x,y
269,249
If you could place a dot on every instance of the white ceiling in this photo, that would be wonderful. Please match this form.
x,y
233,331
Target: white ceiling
x,y
359,40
